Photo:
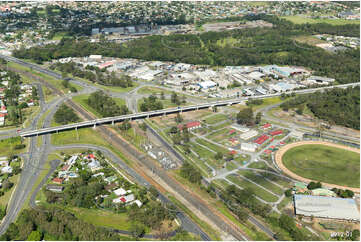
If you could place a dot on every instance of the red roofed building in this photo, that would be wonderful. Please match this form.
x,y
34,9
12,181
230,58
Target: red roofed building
x,y
260,140
58,180
232,131
90,156
191,125
106,64
267,126
268,151
277,132
233,152
65,168
3,109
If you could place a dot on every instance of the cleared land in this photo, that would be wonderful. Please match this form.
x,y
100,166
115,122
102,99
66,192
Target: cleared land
x,y
334,165
303,20
309,39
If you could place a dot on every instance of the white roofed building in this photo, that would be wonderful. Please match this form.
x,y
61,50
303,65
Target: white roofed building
x,y
326,207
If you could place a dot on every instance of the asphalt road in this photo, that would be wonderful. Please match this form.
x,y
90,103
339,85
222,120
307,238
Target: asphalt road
x,y
53,165
38,156
186,222
37,159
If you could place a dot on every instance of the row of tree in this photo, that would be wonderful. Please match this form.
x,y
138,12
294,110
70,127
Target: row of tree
x,y
151,103
65,115
246,117
253,47
105,105
336,106
54,224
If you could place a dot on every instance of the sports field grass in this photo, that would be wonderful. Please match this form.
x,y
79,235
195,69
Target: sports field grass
x,y
260,180
259,192
325,164
303,20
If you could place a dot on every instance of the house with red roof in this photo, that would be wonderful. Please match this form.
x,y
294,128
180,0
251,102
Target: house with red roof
x,y
276,132
190,126
233,152
58,180
65,168
2,118
260,140
267,126
3,109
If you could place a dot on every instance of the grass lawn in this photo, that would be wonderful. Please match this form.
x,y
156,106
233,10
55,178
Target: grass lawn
x,y
82,100
231,166
280,181
222,125
215,118
206,155
221,183
219,135
258,165
267,102
151,90
284,202
7,146
4,200
85,135
261,181
259,192
212,146
115,88
59,35
325,164
102,218
133,135
303,20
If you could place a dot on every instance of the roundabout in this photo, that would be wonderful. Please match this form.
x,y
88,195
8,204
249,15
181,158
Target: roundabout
x,y
332,164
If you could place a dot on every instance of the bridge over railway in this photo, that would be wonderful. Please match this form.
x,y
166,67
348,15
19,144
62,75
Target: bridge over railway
x,y
144,115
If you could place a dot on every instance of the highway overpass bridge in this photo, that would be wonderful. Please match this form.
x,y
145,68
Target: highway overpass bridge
x,y
144,115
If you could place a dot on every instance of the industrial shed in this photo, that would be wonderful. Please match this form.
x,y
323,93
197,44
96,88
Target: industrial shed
x,y
326,207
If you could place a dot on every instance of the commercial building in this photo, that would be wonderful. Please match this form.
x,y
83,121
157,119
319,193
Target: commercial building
x,y
326,207
248,147
249,134
319,80
207,84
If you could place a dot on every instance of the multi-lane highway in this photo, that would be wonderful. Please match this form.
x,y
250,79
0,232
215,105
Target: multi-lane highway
x,y
38,156
143,115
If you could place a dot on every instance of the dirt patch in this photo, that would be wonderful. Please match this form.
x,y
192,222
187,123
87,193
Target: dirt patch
x,y
283,150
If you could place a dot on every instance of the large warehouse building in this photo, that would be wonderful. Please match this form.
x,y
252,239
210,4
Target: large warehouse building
x,y
326,207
